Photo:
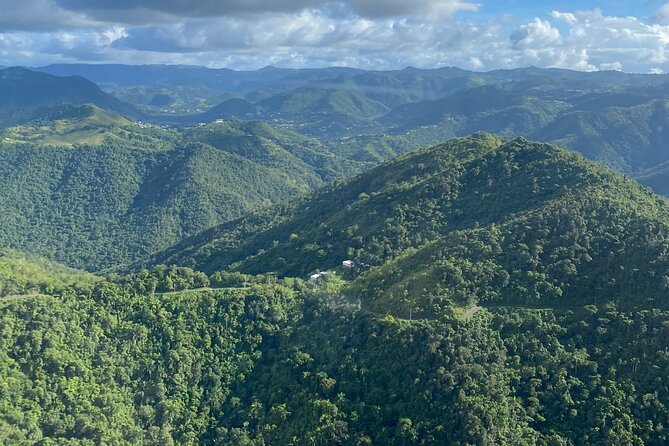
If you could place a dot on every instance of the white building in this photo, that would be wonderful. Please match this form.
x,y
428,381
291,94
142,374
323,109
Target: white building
x,y
316,277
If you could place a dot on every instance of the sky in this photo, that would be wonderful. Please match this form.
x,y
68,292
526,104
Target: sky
x,y
588,35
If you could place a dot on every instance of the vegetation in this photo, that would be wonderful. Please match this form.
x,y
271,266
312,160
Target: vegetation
x,y
495,291
24,93
614,118
88,188
111,367
473,221
22,274
285,363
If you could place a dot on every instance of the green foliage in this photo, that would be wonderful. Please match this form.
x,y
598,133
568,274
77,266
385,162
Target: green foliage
x,y
284,150
131,190
67,126
471,221
267,365
114,367
22,274
589,376
340,377
503,293
25,92
338,222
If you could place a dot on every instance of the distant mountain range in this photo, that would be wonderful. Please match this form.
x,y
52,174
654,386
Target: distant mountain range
x,y
354,119
612,117
24,92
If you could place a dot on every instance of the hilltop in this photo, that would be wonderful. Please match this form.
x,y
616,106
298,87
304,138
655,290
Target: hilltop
x,y
88,188
23,92
473,220
67,125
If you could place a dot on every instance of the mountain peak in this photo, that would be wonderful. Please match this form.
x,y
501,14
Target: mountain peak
x,y
25,90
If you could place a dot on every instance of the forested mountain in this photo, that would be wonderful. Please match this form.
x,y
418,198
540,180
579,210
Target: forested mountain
x,y
475,220
611,117
505,292
23,92
502,291
88,188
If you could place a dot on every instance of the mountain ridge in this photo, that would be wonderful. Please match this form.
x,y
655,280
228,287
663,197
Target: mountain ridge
x,y
22,91
462,190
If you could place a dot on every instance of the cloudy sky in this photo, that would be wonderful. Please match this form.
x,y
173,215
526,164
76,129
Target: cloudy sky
x,y
628,35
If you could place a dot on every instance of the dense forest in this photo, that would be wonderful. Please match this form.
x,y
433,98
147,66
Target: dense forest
x,y
536,316
90,189
258,361
306,277
472,220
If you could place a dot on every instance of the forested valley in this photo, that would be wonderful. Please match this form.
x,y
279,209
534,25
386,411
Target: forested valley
x,y
311,265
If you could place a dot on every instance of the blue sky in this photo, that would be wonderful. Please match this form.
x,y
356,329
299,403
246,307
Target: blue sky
x,y
588,35
530,9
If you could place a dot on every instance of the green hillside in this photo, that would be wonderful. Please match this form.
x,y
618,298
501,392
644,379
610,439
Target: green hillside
x,y
507,292
23,92
284,362
535,224
322,111
282,149
192,368
22,273
87,188
67,125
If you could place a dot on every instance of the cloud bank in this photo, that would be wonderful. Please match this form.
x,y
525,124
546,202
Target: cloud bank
x,y
247,34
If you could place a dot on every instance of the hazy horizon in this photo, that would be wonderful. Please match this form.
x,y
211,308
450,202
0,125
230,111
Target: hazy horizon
x,y
482,36
408,67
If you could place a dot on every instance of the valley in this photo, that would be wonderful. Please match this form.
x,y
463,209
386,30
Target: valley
x,y
332,256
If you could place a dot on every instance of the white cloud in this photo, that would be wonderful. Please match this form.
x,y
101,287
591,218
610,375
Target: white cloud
x,y
615,66
628,42
662,15
41,15
324,35
536,34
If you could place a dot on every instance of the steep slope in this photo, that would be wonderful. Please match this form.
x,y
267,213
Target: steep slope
x,y
94,207
266,145
24,273
472,220
605,243
22,91
92,190
630,139
566,262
